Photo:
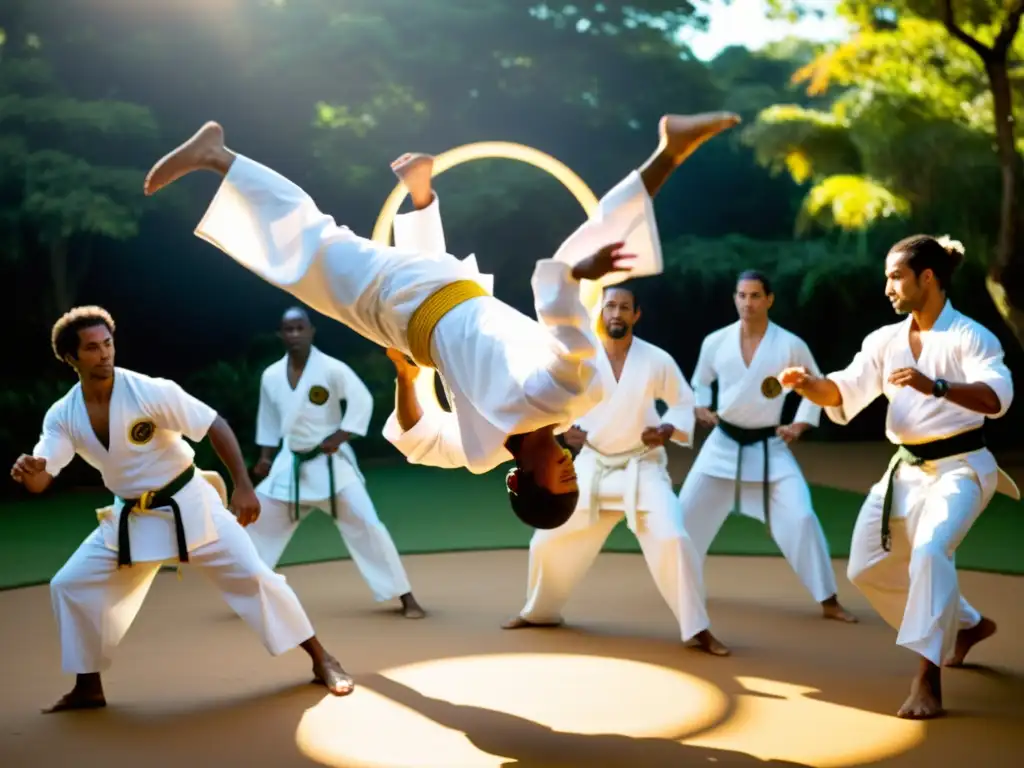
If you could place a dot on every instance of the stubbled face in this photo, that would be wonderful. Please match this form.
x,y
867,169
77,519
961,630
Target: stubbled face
x,y
619,313
296,332
905,290
752,303
553,469
95,353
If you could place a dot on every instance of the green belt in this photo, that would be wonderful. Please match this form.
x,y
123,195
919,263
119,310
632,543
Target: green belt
x,y
154,500
298,459
744,437
915,455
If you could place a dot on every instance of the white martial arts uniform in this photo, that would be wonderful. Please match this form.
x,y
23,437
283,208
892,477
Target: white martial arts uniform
x,y
913,586
300,419
94,601
620,477
710,489
506,373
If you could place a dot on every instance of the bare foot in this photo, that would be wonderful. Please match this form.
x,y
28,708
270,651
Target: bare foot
x,y
831,609
967,639
925,700
410,608
681,135
87,694
518,622
415,171
328,672
711,644
204,151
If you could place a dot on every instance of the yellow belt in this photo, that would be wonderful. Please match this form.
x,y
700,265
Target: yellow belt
x,y
430,312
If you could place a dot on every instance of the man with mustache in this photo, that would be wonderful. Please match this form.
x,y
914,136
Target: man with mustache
x,y
943,375
623,474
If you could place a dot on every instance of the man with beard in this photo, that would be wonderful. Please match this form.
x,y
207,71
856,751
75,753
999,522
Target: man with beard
x,y
943,375
300,412
622,468
745,464
132,428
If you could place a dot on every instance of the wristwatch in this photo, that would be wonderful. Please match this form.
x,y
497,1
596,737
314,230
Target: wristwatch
x,y
940,388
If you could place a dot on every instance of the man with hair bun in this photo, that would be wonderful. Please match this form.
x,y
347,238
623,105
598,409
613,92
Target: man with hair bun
x,y
943,374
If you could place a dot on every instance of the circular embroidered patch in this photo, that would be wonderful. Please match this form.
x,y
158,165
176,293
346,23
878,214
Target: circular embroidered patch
x,y
318,395
141,432
771,388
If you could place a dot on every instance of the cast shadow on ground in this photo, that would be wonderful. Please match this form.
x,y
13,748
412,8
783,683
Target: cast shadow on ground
x,y
531,745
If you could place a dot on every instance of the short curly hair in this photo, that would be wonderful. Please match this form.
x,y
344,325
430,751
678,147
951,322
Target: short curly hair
x,y
64,336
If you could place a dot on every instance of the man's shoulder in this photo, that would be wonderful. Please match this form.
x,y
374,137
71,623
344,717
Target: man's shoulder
x,y
61,407
719,333
653,351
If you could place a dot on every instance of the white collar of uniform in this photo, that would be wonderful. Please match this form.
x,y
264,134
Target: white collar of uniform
x,y
942,322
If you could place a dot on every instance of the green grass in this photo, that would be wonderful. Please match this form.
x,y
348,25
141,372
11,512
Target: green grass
x,y
431,510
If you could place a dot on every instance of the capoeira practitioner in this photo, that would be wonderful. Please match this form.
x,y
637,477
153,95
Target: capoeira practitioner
x,y
943,374
622,468
300,412
131,427
745,462
514,381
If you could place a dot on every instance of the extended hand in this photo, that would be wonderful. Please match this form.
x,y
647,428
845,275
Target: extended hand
x,y
575,437
913,378
404,367
333,443
656,436
27,466
791,432
706,416
608,259
245,505
795,378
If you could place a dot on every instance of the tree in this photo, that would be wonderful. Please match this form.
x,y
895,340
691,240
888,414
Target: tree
x,y
927,87
57,195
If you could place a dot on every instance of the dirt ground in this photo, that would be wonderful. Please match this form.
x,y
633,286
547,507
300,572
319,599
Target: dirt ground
x,y
613,688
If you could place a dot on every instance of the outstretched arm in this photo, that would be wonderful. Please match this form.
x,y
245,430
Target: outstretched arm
x,y
428,437
53,451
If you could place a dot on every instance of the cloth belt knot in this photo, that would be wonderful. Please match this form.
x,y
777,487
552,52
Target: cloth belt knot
x,y
918,454
150,500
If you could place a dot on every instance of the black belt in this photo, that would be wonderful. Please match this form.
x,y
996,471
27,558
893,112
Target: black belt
x,y
154,500
298,459
915,455
744,437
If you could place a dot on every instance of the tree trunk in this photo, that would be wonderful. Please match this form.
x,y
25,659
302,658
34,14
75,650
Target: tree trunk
x,y
1006,275
61,281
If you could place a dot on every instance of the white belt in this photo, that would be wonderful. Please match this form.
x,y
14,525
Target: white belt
x,y
605,464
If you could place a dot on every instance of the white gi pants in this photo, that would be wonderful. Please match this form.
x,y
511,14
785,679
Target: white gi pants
x,y
560,557
706,502
914,586
95,602
366,537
